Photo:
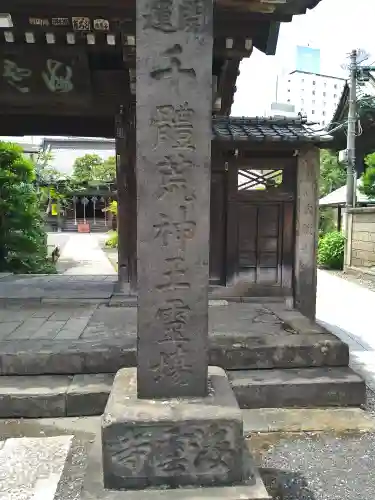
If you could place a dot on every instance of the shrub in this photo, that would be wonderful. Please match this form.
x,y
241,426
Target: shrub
x,y
112,241
23,240
367,184
331,250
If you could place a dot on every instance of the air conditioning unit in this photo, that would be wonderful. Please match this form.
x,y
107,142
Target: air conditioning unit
x,y
343,156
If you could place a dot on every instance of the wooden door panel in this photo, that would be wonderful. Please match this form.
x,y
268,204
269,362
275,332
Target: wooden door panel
x,y
267,276
268,244
260,243
268,259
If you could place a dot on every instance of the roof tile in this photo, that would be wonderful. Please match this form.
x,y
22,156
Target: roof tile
x,y
290,130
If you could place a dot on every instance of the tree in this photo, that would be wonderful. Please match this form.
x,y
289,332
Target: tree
x,y
367,184
332,174
23,241
84,168
107,170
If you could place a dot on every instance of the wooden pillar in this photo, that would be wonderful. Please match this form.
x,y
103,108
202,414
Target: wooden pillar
x,y
232,222
306,231
122,216
131,183
126,200
339,218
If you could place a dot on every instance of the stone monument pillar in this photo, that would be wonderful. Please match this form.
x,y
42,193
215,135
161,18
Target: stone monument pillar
x,y
174,108
173,421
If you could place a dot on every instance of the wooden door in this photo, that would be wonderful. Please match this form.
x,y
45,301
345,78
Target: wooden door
x,y
264,246
265,230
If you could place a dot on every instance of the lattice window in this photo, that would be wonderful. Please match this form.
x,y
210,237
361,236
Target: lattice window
x,y
260,180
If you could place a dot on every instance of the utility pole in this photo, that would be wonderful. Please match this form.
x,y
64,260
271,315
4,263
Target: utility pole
x,y
352,119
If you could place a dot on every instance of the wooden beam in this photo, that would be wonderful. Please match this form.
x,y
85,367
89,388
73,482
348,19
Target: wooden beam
x,y
122,215
131,183
227,85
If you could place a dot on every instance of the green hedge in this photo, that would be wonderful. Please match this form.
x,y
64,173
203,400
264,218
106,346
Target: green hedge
x,y
331,250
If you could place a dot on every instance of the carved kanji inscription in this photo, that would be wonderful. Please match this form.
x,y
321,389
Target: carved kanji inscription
x,y
174,126
173,138
173,177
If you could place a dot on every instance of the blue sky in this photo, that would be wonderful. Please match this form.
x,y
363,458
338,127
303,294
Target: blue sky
x,y
334,26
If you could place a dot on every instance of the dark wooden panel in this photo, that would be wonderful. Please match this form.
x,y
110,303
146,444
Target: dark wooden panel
x,y
232,225
288,245
217,227
265,234
55,75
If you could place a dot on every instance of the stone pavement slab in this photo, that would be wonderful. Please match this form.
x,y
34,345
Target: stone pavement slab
x,y
31,468
61,339
101,322
28,288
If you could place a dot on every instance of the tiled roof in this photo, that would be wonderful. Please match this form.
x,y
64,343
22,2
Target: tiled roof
x,y
257,130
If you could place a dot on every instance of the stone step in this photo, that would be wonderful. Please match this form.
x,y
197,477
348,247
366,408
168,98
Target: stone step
x,y
80,395
43,396
309,387
232,352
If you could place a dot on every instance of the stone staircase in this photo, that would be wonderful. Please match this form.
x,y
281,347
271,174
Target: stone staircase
x,y
99,227
305,366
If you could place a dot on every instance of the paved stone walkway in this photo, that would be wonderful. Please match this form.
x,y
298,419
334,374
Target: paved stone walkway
x,y
82,254
99,322
347,310
25,288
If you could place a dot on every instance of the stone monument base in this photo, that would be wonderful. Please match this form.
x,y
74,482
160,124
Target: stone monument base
x,y
172,443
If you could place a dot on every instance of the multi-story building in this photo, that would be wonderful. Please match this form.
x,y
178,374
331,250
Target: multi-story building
x,y
312,94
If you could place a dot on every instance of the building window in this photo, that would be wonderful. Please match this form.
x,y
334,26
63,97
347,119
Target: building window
x,y
323,122
324,103
314,82
335,95
324,94
302,101
313,112
313,102
288,90
288,100
324,113
303,80
335,86
313,92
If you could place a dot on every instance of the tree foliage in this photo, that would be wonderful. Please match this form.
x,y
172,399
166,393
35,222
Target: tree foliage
x,y
332,174
23,241
91,167
84,167
367,184
107,170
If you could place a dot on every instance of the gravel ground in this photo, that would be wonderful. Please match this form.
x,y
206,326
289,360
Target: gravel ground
x,y
314,466
362,279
